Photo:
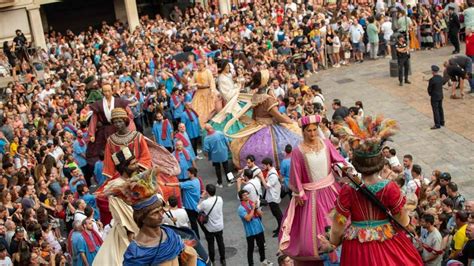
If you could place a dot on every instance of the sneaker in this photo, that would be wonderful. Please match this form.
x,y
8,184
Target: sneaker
x,y
230,184
400,84
407,82
267,263
219,186
337,66
199,157
199,151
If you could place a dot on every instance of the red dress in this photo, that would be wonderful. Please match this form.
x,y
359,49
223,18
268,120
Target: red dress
x,y
371,239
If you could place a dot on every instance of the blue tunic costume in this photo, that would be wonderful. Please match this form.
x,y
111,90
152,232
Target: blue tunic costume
x,y
167,250
177,107
191,122
157,132
183,164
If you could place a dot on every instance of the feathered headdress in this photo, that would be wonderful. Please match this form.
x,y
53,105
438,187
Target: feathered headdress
x,y
367,139
139,191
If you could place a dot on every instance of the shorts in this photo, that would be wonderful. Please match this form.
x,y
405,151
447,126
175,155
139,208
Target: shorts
x,y
336,49
330,49
357,47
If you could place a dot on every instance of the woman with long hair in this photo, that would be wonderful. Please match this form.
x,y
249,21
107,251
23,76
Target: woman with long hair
x,y
434,184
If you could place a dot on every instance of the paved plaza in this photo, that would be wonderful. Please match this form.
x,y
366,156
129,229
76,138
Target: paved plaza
x,y
448,149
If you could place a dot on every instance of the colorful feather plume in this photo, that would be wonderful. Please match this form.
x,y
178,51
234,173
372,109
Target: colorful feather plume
x,y
134,189
367,137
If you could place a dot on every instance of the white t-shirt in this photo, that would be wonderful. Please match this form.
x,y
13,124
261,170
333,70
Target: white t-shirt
x,y
274,187
6,262
182,219
318,98
254,188
79,216
356,32
387,30
215,222
291,6
394,161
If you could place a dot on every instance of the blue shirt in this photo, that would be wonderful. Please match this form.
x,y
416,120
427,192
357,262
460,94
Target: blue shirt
x,y
191,193
216,146
90,200
192,124
82,248
78,243
2,146
183,165
169,84
188,97
157,129
78,150
189,148
177,109
285,170
254,227
74,187
98,169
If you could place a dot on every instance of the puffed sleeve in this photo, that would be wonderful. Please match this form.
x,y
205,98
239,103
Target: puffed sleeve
x,y
296,173
343,202
394,199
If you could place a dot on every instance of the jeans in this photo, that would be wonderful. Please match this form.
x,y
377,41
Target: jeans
x,y
260,238
438,113
210,244
192,215
217,167
276,212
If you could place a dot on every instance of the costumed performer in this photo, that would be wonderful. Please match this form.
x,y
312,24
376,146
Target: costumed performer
x,y
100,125
123,138
145,153
230,92
314,192
269,132
128,159
205,97
370,238
153,244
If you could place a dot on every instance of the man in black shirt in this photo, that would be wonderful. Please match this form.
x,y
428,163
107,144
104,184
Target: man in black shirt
x,y
453,29
340,112
20,43
435,90
403,59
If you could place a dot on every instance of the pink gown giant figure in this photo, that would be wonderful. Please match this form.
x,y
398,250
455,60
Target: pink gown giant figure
x,y
311,180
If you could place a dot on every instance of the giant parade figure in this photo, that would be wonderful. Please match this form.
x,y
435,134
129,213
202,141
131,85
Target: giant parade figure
x,y
268,133
134,165
314,190
376,233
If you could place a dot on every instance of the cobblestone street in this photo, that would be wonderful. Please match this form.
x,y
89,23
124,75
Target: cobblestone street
x,y
448,149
